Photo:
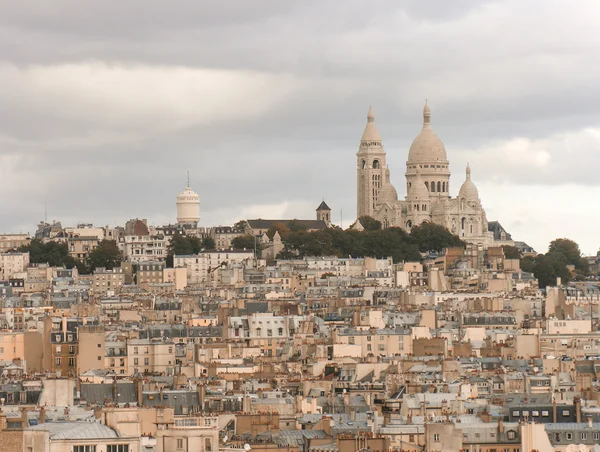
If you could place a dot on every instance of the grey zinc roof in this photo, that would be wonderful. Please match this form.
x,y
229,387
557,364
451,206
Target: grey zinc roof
x,y
76,430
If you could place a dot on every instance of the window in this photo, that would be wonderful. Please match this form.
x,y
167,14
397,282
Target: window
x,y
117,448
583,436
369,347
597,436
179,443
557,437
71,362
368,338
135,361
569,436
566,413
535,413
207,444
511,434
58,361
88,448
545,414
436,437
516,413
146,361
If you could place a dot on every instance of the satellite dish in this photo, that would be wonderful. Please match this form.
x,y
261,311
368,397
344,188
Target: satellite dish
x,y
247,446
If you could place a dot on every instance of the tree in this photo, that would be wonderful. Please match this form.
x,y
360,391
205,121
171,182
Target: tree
x,y
511,252
369,223
528,264
208,243
182,245
570,250
278,227
548,267
240,226
244,242
434,237
55,254
106,255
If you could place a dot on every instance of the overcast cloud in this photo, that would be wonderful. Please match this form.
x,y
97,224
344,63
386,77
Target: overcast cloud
x,y
104,107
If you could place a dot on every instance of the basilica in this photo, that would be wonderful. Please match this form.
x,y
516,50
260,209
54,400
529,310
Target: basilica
x,y
427,187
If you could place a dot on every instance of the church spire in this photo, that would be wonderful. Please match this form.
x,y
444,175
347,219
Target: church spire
x,y
426,114
468,172
371,134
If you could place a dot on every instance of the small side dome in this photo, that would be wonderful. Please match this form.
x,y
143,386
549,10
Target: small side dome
x,y
468,190
388,193
418,189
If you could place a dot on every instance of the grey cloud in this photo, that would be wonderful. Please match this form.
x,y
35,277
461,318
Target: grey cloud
x,y
493,72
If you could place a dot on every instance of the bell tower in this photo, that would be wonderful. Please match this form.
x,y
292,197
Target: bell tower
x,y
371,169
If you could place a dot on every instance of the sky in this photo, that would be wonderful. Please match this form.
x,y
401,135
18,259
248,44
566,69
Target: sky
x,y
105,107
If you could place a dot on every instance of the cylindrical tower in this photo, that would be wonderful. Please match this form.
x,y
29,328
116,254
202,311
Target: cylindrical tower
x,y
188,207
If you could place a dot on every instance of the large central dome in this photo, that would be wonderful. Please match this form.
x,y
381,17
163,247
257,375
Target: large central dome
x,y
427,147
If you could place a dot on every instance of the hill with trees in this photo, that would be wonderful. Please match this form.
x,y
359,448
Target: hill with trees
x,y
373,241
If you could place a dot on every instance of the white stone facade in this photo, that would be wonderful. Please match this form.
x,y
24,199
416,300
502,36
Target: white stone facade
x,y
427,187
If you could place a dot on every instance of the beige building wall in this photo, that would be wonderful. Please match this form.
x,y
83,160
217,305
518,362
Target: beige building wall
x,y
176,276
145,356
91,348
12,263
12,346
378,344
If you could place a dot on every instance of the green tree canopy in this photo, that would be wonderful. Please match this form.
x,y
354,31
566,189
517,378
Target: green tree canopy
x,y
240,226
106,255
55,254
208,243
369,223
434,237
511,252
570,250
548,267
243,242
379,243
182,245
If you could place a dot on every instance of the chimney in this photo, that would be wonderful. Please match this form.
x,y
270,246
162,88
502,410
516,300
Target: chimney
x,y
553,410
43,415
140,392
577,403
590,422
500,425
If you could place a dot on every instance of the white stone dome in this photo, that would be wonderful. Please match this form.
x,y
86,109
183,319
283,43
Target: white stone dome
x,y
468,190
427,147
388,193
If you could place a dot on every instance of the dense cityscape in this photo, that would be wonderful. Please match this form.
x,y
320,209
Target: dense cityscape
x,y
421,327
299,226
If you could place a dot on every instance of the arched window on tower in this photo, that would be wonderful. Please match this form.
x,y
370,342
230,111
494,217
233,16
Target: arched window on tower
x,y
463,223
444,187
376,164
409,224
432,186
386,223
427,185
439,187
363,164
424,207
